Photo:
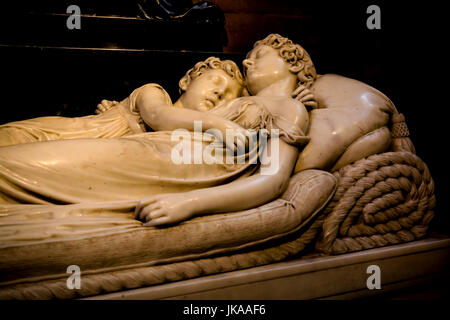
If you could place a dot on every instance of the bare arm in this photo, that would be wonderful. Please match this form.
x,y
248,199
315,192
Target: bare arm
x,y
160,117
163,118
238,195
252,191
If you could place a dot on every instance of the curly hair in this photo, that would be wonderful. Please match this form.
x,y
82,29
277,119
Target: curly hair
x,y
212,63
293,54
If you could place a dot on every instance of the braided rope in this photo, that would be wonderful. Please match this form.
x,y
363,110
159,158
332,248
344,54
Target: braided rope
x,y
384,199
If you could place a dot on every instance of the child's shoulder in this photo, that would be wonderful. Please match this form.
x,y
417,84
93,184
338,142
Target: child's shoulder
x,y
153,94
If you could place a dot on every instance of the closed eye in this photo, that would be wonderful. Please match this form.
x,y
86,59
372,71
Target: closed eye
x,y
261,52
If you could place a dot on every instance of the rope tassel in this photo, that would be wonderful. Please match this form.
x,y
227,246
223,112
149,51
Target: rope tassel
x,y
400,134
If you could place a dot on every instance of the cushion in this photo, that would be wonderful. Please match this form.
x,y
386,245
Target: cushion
x,y
115,249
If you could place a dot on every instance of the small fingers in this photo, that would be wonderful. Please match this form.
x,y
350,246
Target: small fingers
x,y
311,104
105,105
155,215
146,211
143,213
304,93
142,204
157,222
298,90
307,98
101,108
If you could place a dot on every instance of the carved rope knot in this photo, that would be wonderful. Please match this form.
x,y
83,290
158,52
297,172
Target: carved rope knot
x,y
399,127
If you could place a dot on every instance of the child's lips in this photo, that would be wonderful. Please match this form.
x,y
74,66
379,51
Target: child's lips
x,y
209,103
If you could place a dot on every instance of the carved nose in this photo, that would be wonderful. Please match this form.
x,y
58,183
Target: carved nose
x,y
219,93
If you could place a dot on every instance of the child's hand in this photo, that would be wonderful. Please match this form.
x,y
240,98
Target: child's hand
x,y
105,105
164,209
305,96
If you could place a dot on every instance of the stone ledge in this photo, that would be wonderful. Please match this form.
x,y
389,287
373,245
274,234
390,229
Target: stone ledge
x,y
337,277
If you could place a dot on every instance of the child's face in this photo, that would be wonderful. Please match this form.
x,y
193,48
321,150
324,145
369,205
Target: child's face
x,y
210,89
264,66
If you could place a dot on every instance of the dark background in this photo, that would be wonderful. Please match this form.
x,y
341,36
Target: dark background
x,y
46,69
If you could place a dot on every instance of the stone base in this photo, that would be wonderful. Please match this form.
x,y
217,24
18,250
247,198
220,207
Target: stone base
x,y
403,267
